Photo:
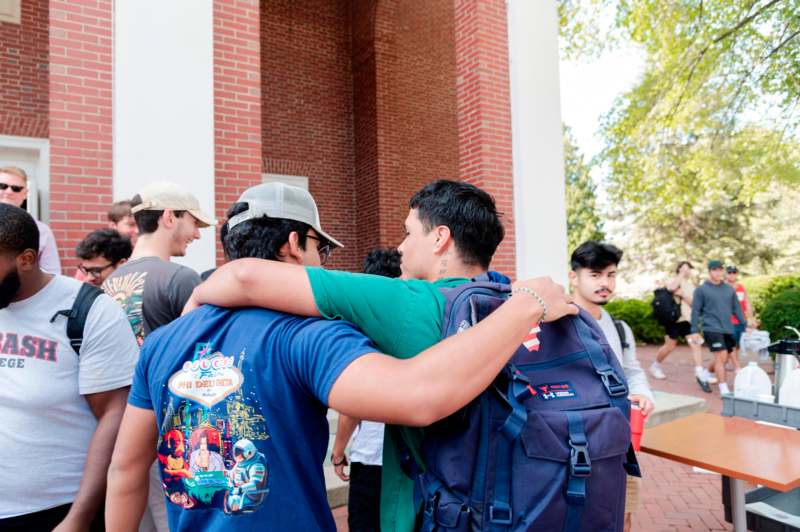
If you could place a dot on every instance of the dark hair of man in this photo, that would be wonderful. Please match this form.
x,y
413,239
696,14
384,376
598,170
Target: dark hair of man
x,y
18,230
147,221
470,214
596,256
261,238
383,261
683,263
119,210
105,243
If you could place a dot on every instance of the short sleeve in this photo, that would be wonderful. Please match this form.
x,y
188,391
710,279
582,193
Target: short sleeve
x,y
139,395
48,250
321,350
109,352
183,283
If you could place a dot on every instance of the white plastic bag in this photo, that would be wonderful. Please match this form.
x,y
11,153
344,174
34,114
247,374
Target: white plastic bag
x,y
755,341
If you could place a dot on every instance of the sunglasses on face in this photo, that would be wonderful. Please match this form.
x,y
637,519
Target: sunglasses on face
x,y
323,248
95,272
15,188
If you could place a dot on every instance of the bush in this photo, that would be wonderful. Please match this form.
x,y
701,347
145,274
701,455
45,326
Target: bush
x,y
761,295
782,310
639,315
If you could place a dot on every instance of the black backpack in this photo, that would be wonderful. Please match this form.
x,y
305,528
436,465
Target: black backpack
x,y
623,339
76,316
665,309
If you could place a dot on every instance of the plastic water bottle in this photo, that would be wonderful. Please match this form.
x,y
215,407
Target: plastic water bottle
x,y
789,394
751,382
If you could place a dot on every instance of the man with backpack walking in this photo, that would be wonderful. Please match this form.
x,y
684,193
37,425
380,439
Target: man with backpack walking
x,y
67,356
715,301
672,307
594,279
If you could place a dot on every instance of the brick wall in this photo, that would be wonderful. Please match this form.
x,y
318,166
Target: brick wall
x,y
307,108
23,72
237,101
80,120
484,110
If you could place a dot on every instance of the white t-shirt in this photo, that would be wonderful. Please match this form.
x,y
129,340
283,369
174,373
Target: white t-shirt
x,y
635,375
48,250
366,447
45,423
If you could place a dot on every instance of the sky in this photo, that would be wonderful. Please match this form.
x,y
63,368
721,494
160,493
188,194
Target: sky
x,y
588,91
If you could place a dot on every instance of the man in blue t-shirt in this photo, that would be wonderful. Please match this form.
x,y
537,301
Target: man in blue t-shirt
x,y
251,387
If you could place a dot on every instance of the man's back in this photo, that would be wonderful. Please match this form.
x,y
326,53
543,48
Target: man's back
x,y
246,389
151,291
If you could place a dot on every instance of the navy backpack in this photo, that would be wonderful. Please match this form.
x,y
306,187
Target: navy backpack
x,y
546,447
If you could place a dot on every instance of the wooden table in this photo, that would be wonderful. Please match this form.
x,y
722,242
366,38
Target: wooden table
x,y
735,447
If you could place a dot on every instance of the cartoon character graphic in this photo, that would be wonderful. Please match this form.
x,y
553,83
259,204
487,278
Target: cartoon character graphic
x,y
248,478
174,468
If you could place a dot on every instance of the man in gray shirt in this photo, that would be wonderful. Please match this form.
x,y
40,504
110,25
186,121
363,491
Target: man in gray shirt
x,y
713,305
152,290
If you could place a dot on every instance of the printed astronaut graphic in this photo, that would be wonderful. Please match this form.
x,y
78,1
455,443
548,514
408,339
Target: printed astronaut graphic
x,y
208,451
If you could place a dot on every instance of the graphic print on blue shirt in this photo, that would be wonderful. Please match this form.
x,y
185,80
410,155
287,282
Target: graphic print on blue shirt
x,y
207,448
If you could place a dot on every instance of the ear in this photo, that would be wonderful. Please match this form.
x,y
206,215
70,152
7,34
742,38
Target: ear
x,y
27,260
573,278
121,262
291,250
167,219
443,239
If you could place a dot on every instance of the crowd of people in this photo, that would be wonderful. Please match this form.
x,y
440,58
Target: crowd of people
x,y
716,313
160,399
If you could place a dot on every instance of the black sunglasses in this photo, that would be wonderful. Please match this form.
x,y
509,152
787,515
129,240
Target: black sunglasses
x,y
15,188
324,249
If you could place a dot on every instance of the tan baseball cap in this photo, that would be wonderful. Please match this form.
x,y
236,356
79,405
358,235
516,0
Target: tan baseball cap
x,y
163,195
279,200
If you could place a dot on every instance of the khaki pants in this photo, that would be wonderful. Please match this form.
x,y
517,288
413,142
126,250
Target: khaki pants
x,y
632,494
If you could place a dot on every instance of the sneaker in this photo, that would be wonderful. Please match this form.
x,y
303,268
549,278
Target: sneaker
x,y
703,385
710,377
656,372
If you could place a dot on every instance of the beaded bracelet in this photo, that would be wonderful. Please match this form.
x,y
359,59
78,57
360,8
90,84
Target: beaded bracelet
x,y
536,296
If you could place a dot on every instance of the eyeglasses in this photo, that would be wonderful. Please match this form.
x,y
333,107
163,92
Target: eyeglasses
x,y
15,188
323,248
95,272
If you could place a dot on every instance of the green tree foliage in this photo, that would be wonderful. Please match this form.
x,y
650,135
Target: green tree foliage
x,y
709,129
638,315
782,310
583,220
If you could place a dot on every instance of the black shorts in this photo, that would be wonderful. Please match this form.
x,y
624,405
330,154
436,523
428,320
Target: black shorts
x,y
719,341
677,329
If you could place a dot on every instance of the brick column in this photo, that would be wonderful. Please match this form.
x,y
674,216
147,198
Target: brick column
x,y
484,110
80,120
237,102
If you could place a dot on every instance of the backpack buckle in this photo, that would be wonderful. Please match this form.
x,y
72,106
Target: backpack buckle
x,y
579,463
613,384
500,513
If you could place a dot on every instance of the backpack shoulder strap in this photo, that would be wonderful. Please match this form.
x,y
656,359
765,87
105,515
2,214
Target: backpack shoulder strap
x,y
76,316
623,338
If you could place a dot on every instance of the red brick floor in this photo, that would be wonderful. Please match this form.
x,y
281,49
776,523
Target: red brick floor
x,y
674,498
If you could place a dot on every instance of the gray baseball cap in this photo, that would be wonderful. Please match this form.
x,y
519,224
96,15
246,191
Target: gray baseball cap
x,y
279,200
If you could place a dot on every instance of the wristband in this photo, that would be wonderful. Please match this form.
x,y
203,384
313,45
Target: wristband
x,y
535,296
342,462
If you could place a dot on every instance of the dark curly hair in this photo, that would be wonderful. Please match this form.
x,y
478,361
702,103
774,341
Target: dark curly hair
x,y
18,230
106,243
469,212
595,256
260,238
385,262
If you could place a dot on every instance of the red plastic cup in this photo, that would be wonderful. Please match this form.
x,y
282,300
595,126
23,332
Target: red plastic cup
x,y
637,426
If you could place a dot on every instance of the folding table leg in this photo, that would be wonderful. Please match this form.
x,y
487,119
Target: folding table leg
x,y
737,505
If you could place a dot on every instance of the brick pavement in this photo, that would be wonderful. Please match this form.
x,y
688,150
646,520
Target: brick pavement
x,y
674,497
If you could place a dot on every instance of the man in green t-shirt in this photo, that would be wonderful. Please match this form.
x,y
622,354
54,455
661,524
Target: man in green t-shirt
x,y
452,232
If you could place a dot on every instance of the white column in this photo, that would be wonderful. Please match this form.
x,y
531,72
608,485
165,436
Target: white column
x,y
164,103
539,204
